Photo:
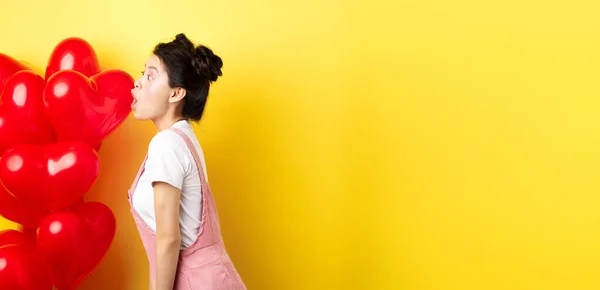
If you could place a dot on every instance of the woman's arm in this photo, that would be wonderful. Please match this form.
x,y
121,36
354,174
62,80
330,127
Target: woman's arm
x,y
168,233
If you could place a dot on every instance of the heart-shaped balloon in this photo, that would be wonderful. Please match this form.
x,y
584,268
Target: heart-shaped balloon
x,y
22,116
73,243
8,67
73,53
51,176
19,211
87,109
21,267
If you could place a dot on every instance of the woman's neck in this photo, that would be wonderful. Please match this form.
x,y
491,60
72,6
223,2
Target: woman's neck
x,y
166,122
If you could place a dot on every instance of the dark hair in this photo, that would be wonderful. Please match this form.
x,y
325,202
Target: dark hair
x,y
192,68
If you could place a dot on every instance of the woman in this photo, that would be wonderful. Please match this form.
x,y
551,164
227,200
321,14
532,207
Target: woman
x,y
170,198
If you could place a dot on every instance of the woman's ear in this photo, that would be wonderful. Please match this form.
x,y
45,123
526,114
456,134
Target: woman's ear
x,y
177,95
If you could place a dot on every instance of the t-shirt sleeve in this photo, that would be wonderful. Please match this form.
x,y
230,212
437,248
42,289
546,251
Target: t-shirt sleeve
x,y
166,160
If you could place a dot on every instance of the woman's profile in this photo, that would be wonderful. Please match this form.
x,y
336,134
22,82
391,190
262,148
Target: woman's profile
x,y
170,198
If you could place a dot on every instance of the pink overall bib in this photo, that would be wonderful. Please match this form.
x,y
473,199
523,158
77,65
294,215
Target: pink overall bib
x,y
204,265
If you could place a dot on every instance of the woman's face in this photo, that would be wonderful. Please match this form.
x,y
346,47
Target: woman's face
x,y
151,92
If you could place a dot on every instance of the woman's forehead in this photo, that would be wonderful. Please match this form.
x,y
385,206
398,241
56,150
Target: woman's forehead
x,y
154,63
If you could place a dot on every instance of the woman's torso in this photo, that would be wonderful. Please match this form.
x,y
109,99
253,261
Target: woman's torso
x,y
170,160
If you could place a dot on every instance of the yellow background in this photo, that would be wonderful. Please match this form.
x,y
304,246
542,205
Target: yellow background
x,y
368,144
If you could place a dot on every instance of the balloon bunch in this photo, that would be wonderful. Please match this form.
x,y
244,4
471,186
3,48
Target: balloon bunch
x,y
51,129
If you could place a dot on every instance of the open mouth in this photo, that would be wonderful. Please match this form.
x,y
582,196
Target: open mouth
x,y
134,101
133,104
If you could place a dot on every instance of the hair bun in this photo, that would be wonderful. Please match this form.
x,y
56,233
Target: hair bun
x,y
184,42
210,63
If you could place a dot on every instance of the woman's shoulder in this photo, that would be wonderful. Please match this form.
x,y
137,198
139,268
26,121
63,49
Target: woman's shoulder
x,y
165,141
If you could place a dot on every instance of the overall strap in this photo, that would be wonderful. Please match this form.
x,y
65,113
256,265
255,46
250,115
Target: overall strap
x,y
190,145
204,186
137,178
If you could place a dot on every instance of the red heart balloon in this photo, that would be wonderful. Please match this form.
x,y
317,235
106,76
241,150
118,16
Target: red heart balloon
x,y
52,176
8,67
73,54
87,109
21,267
73,243
19,211
22,116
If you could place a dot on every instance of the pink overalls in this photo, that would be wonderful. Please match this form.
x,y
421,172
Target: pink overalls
x,y
204,265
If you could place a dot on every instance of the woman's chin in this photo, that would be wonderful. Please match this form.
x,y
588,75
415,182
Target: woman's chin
x,y
137,115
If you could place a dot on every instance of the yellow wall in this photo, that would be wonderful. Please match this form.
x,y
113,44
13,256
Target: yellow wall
x,y
369,145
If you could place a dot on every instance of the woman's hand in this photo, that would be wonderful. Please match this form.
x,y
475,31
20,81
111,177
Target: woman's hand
x,y
168,234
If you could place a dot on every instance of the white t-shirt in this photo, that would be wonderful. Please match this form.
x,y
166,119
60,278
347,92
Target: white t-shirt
x,y
169,160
